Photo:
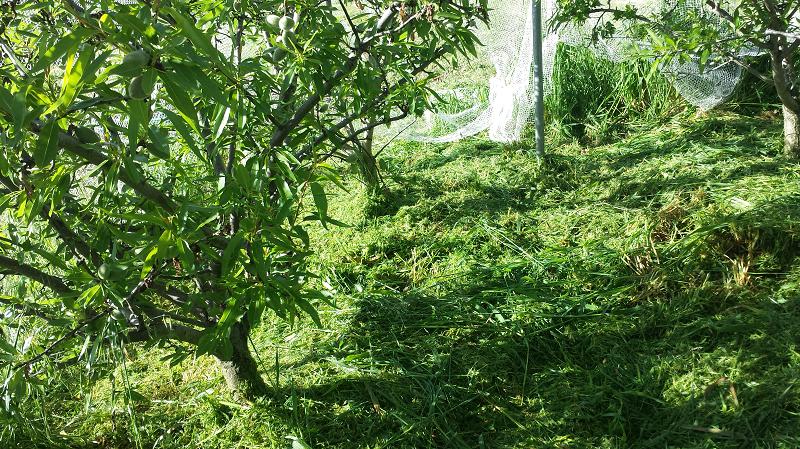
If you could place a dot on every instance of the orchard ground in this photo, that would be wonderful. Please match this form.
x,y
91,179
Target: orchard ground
x,y
640,294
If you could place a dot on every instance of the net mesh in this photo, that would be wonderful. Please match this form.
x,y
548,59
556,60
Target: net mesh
x,y
502,102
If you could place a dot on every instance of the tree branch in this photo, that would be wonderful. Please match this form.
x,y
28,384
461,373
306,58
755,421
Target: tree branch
x,y
28,310
326,133
52,282
167,331
140,287
72,333
282,132
72,145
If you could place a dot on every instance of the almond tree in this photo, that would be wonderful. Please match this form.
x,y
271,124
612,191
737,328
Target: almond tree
x,y
715,32
160,161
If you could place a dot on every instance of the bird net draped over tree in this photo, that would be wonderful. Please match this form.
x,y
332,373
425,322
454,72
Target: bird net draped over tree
x,y
502,101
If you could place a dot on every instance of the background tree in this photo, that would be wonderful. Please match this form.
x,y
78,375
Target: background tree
x,y
158,158
719,33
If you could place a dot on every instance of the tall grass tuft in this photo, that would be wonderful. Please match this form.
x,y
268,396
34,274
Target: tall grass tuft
x,y
597,100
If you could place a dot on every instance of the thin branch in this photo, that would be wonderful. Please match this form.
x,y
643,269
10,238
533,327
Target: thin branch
x,y
9,52
167,331
156,313
771,32
751,70
69,237
326,133
140,287
28,310
399,133
353,27
25,270
716,8
282,132
69,335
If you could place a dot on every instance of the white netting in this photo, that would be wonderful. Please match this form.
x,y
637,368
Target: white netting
x,y
506,109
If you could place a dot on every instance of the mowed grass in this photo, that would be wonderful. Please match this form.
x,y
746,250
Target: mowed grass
x,y
639,294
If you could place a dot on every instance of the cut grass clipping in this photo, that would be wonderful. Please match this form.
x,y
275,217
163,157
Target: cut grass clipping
x,y
640,294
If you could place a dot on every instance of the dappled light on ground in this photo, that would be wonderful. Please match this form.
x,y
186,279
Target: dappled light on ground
x,y
641,294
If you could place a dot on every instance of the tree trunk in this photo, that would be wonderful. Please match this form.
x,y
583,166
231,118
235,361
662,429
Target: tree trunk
x,y
368,164
240,369
791,132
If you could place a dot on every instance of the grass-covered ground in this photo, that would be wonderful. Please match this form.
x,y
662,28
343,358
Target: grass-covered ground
x,y
639,294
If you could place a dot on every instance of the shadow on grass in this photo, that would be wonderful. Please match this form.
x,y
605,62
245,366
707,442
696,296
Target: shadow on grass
x,y
460,372
455,372
694,345
692,350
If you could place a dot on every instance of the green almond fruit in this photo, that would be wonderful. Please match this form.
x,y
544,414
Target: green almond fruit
x,y
157,151
279,55
137,89
138,58
286,23
111,272
288,39
273,20
141,158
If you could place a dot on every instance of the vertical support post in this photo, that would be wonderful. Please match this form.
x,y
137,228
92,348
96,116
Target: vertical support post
x,y
538,73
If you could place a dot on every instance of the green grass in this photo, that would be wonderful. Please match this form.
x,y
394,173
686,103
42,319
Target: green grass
x,y
599,101
639,294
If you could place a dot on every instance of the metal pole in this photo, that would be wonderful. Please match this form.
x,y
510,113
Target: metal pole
x,y
538,70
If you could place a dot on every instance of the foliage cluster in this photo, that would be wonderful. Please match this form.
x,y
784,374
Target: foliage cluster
x,y
156,159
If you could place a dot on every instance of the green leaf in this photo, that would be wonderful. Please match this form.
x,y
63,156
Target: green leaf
x,y
137,397
64,45
19,112
221,121
47,145
180,99
149,261
260,262
6,100
193,76
165,243
309,309
704,55
6,347
179,123
231,253
138,117
285,190
321,200
242,176
86,298
200,40
73,75
298,443
159,143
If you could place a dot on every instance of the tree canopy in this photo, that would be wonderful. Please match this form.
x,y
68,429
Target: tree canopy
x,y
161,159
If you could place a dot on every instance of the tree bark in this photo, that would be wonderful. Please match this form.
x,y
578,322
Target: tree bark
x,y
369,164
240,369
791,132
